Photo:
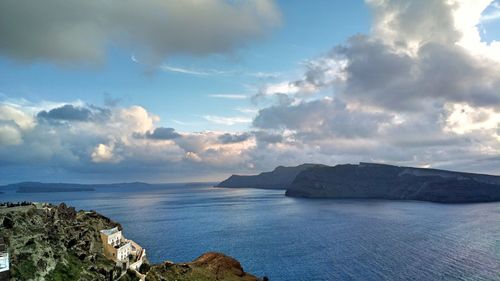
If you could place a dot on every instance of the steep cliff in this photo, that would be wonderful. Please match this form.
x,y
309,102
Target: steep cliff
x,y
48,242
279,178
378,181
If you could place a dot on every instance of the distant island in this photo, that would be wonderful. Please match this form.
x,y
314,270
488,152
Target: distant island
x,y
379,181
38,187
56,242
41,187
279,178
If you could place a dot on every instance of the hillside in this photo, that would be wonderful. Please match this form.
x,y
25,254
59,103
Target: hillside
x,y
378,181
279,178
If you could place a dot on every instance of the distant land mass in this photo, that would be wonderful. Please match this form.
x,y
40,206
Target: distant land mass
x,y
375,181
380,181
39,187
279,178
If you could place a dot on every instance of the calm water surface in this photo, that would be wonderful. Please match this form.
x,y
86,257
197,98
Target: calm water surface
x,y
300,239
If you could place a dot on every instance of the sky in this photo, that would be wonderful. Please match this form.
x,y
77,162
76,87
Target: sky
x,y
166,91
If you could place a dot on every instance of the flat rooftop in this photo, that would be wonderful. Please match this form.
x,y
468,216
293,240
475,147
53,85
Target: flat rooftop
x,y
109,231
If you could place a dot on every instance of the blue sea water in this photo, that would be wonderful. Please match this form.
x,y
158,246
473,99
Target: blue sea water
x,y
302,239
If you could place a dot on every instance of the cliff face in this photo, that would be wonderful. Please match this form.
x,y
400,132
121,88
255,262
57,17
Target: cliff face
x,y
377,181
279,178
47,242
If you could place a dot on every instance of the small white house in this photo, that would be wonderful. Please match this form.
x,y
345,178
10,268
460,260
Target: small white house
x,y
126,253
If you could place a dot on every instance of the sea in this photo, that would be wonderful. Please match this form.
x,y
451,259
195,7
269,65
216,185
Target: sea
x,y
290,239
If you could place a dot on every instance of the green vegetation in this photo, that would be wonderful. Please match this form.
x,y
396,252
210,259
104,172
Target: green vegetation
x,y
25,270
68,271
129,276
145,267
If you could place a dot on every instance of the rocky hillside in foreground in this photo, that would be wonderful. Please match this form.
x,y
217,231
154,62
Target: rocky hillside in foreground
x,y
279,178
48,242
208,267
378,181
55,243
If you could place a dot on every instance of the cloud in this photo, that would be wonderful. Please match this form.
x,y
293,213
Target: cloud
x,y
79,31
67,112
247,110
380,75
9,134
229,96
121,144
464,119
228,121
162,133
493,14
20,118
103,153
324,118
320,74
183,70
234,138
411,23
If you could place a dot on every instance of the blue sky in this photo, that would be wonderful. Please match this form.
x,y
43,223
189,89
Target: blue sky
x,y
167,90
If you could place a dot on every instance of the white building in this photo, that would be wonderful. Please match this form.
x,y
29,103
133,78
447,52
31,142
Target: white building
x,y
4,261
126,253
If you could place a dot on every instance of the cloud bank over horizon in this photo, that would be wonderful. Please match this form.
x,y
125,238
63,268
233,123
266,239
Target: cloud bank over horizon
x,y
420,90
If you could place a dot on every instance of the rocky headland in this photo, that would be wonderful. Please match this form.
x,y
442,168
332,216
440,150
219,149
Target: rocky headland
x,y
279,178
48,242
379,181
374,181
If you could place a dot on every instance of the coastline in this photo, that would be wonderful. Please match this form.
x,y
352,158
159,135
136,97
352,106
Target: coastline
x,y
69,242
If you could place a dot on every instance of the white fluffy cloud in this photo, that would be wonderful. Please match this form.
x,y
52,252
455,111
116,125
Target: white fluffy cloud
x,y
79,31
123,143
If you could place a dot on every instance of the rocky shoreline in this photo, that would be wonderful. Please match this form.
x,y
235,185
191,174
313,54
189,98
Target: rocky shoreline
x,y
49,242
